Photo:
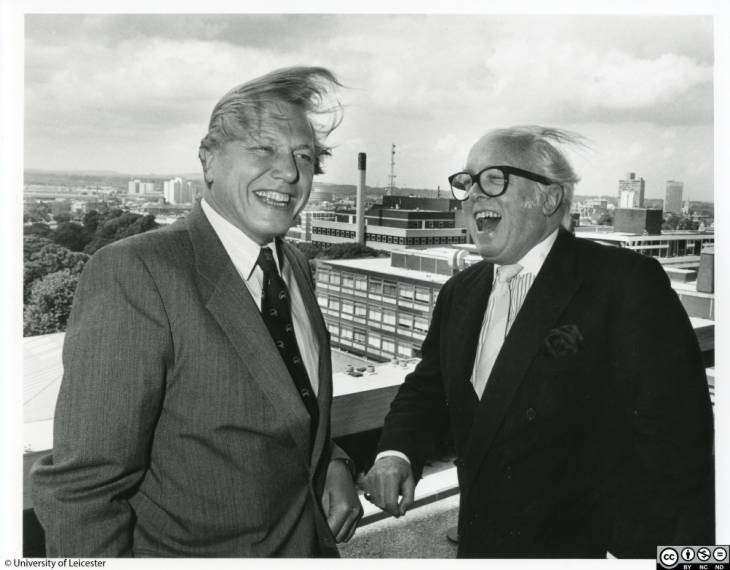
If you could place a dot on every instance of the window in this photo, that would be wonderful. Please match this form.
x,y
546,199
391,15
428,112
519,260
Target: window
x,y
405,291
423,295
360,310
334,303
347,307
348,280
360,336
374,340
346,332
405,321
374,314
405,351
335,278
420,325
322,300
389,317
375,286
389,288
323,276
388,346
361,282
334,329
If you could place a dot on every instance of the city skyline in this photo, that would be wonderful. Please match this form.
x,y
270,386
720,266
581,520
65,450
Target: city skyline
x,y
639,87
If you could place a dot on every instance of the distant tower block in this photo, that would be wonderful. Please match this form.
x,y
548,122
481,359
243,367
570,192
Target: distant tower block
x,y
391,177
360,199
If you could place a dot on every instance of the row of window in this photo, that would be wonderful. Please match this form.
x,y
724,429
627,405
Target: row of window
x,y
375,315
673,248
424,240
371,341
375,286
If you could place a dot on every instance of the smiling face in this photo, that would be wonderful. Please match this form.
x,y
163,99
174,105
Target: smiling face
x,y
260,183
505,228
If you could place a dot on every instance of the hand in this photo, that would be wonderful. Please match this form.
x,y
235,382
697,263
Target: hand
x,y
340,502
389,478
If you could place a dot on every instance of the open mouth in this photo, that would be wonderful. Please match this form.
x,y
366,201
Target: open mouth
x,y
275,199
487,220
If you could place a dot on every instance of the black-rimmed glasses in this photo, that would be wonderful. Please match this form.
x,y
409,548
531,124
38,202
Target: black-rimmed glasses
x,y
492,180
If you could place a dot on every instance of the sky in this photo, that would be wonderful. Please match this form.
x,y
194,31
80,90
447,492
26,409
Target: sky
x,y
133,93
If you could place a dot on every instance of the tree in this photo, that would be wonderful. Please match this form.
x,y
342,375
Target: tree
x,y
605,219
671,222
38,229
49,305
33,243
36,212
118,224
48,258
71,235
91,221
62,217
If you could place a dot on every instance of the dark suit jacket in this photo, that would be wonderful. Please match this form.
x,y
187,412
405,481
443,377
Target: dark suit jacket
x,y
595,430
178,429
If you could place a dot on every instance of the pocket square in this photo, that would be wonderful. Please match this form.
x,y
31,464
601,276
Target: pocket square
x,y
563,340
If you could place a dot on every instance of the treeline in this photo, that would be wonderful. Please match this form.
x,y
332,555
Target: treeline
x,y
53,259
347,250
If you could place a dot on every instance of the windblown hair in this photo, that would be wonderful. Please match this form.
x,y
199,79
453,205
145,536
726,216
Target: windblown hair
x,y
542,143
241,109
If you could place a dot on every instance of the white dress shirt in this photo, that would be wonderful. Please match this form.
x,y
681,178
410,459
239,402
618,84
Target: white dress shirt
x,y
244,253
520,285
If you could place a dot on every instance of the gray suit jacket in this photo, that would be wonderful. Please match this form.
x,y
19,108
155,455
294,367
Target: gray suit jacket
x,y
178,429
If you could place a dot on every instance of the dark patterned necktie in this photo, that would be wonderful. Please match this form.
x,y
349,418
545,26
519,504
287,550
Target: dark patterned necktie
x,y
276,312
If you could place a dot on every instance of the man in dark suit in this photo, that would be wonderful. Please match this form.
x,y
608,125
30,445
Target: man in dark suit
x,y
569,374
193,417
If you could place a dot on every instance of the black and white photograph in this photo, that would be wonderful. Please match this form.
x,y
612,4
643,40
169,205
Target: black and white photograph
x,y
388,282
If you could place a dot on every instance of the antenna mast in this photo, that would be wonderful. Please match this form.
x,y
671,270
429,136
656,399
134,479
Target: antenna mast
x,y
391,178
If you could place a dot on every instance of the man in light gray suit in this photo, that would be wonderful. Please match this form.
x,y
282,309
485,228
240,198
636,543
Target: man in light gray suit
x,y
193,417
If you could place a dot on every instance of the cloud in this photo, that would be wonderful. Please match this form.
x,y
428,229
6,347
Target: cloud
x,y
431,84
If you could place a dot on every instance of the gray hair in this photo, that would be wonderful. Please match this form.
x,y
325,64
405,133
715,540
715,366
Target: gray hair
x,y
308,88
541,143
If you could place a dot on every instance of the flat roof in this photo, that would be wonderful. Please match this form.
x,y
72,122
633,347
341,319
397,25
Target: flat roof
x,y
382,265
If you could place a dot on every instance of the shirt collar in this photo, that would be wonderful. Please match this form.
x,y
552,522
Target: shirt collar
x,y
532,261
243,251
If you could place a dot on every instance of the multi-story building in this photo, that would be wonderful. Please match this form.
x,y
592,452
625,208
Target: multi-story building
x,y
397,223
673,197
178,191
638,221
302,230
381,308
682,248
139,187
631,191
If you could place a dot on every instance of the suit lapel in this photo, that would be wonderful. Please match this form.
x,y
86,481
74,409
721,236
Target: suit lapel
x,y
231,305
548,297
324,390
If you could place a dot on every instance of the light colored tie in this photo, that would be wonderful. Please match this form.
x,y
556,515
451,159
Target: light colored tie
x,y
493,333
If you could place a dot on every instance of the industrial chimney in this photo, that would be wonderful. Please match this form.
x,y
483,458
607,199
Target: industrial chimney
x,y
360,199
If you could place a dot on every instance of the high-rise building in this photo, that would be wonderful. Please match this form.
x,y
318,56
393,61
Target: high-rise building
x,y
137,186
178,191
673,198
631,191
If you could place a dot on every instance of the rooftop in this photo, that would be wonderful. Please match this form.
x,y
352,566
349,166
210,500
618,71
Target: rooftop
x,y
382,265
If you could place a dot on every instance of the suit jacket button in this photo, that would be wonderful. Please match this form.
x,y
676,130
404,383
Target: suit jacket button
x,y
531,414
